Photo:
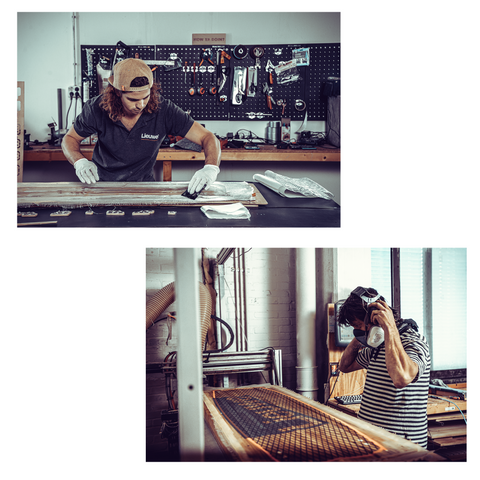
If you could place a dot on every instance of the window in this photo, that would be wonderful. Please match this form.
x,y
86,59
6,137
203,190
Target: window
x,y
433,293
449,299
381,273
412,278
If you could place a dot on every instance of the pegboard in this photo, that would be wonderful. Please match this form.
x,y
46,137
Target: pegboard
x,y
177,83
324,62
96,61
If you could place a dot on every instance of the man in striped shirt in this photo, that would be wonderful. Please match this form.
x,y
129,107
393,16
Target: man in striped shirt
x,y
398,369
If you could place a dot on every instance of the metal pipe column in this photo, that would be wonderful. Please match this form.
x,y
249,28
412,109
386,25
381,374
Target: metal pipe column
x,y
189,367
307,383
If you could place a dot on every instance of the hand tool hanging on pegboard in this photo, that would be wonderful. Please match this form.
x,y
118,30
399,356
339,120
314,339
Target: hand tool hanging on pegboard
x,y
104,72
268,94
301,105
239,85
252,72
173,62
240,52
282,103
257,53
192,89
269,68
206,55
212,89
222,74
252,79
122,52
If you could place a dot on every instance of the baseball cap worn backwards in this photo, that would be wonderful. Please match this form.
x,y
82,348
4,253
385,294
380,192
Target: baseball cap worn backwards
x,y
127,70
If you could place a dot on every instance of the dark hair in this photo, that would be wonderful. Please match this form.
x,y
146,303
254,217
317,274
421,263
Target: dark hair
x,y
139,82
111,98
354,307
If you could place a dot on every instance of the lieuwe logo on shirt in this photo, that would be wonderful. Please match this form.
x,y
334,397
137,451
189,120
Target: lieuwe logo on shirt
x,y
146,136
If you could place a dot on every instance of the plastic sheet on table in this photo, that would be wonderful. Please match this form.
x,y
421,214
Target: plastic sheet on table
x,y
303,186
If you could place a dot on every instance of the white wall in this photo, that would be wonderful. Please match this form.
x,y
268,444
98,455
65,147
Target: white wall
x,y
271,308
353,270
46,63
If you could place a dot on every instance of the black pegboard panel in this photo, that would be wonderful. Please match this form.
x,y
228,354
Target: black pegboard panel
x,y
96,61
177,83
289,93
92,57
324,62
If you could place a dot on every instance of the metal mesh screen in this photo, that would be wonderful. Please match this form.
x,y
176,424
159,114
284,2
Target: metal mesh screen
x,y
288,429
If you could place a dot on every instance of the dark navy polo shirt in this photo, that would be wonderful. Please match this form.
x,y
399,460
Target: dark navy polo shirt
x,y
122,155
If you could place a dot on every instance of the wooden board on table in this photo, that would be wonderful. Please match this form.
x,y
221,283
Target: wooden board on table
x,y
77,194
439,405
450,441
450,429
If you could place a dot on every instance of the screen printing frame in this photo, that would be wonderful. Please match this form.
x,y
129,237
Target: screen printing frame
x,y
240,448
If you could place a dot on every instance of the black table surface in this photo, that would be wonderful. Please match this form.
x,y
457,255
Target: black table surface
x,y
280,212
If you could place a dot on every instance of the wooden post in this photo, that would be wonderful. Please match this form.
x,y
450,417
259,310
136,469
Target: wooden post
x,y
167,171
20,128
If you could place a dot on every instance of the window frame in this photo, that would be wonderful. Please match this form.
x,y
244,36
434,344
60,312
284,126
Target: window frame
x,y
458,375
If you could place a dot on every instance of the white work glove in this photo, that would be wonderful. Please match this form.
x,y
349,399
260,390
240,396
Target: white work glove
x,y
206,176
86,171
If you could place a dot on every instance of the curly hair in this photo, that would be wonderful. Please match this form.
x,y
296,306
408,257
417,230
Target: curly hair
x,y
354,307
112,103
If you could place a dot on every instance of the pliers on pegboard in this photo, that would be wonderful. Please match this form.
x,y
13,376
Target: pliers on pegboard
x,y
207,55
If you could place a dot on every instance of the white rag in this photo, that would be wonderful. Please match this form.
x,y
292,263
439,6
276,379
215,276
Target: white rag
x,y
232,210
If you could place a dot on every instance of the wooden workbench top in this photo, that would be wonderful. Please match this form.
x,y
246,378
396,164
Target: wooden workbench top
x,y
435,406
264,153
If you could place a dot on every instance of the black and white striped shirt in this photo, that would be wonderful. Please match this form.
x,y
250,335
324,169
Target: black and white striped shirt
x,y
399,410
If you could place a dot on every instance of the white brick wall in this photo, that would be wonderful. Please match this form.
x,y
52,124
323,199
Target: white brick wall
x,y
270,311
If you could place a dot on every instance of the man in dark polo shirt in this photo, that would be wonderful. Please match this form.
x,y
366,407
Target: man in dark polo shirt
x,y
131,120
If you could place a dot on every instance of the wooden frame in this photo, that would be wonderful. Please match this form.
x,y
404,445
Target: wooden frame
x,y
239,448
77,195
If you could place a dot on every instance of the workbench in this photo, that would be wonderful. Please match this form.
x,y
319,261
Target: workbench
x,y
279,212
446,425
435,407
169,155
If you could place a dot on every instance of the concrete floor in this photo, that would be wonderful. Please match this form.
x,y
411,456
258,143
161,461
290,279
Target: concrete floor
x,y
161,453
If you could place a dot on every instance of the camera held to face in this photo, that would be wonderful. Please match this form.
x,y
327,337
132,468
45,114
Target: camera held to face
x,y
373,335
